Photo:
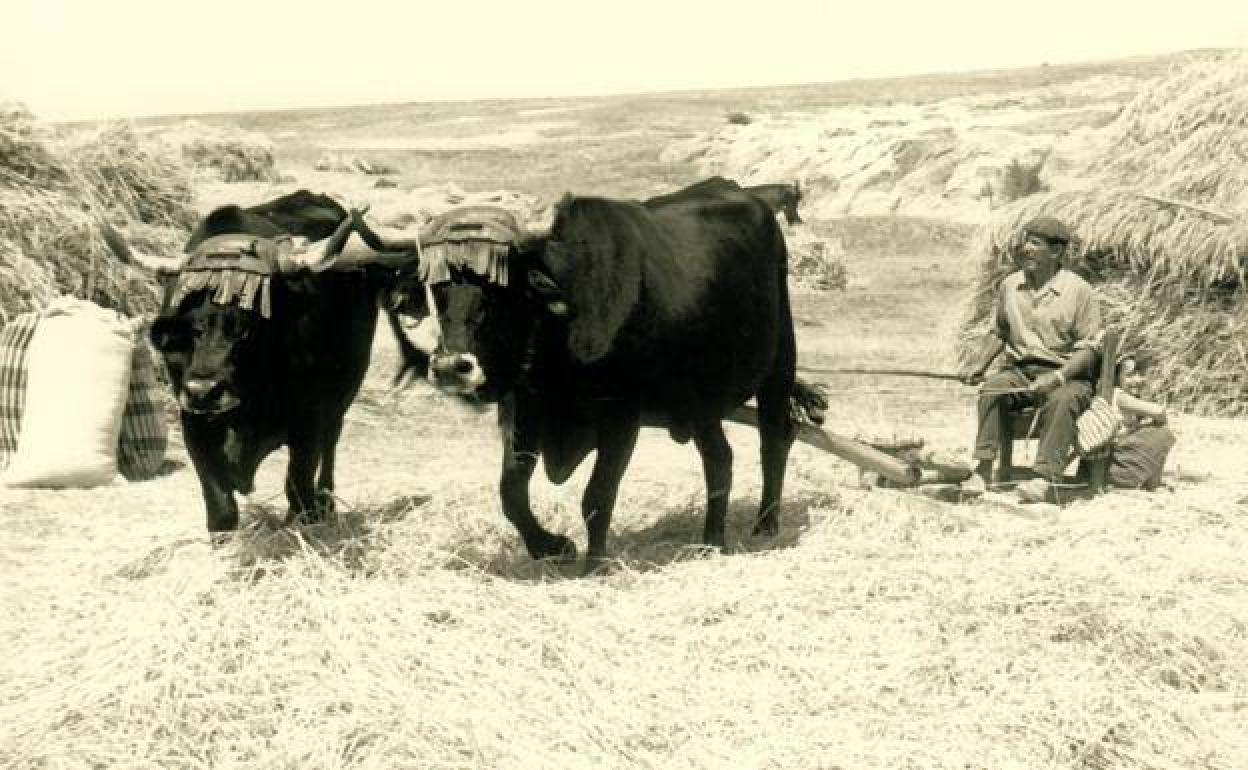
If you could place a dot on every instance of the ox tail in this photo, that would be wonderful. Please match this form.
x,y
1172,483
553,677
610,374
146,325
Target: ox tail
x,y
413,362
788,339
779,383
791,214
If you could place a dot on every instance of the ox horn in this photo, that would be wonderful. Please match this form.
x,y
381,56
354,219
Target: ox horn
x,y
541,225
535,233
389,247
127,253
329,253
321,255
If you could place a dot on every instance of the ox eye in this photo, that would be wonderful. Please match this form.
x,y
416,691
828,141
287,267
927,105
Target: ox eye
x,y
473,319
170,336
234,327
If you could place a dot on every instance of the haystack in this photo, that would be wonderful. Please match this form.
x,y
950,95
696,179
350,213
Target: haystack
x,y
49,189
25,157
228,152
1159,217
140,179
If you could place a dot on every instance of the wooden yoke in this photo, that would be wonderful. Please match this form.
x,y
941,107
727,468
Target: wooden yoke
x,y
1098,469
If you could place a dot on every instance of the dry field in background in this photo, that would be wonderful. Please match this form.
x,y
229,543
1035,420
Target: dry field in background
x,y
879,630
606,145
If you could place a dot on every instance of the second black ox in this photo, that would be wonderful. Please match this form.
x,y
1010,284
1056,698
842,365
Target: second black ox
x,y
266,341
671,312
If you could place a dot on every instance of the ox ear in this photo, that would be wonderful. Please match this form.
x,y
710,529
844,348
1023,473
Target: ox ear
x,y
170,335
548,293
600,276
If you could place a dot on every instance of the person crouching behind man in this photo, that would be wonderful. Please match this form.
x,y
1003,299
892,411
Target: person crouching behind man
x,y
1144,440
1047,321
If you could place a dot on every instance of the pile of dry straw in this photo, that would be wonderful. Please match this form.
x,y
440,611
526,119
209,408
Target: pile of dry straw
x,y
228,152
50,187
1171,277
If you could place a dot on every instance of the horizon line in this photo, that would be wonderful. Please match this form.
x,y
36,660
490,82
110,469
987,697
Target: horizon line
x,y
1213,50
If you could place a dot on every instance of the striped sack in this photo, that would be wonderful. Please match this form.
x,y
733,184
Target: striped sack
x,y
144,430
14,342
1096,427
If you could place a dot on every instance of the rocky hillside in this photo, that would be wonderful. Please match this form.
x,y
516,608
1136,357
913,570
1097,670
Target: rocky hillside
x,y
946,159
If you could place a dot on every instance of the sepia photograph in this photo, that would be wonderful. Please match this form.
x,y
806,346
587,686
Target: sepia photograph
x,y
706,385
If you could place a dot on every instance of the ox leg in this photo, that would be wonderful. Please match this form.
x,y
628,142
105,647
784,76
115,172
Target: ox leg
x,y
219,504
300,491
716,455
617,436
220,507
776,431
519,429
301,470
325,477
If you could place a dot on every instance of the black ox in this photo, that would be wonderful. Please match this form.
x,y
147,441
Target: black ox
x,y
266,342
671,312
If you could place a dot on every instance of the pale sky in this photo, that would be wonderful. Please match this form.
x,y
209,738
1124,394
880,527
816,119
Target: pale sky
x,y
70,59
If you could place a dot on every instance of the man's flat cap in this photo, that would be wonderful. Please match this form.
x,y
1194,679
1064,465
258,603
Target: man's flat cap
x,y
1048,228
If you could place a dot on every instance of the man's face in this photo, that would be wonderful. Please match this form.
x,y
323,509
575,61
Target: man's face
x,y
1132,383
1039,255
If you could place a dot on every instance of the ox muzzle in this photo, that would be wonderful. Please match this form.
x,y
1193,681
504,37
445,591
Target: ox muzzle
x,y
207,396
458,373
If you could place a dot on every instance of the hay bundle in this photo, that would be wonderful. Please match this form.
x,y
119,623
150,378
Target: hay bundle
x,y
143,180
230,153
49,246
24,155
1185,137
1152,238
48,189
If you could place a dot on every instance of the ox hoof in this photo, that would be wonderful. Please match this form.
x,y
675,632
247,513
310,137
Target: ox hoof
x,y
304,518
598,566
557,549
714,537
221,539
767,527
325,503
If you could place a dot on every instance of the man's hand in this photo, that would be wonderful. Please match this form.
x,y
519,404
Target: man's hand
x,y
1047,382
971,374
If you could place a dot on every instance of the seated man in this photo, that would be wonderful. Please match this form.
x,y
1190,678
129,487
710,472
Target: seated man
x,y
1048,323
